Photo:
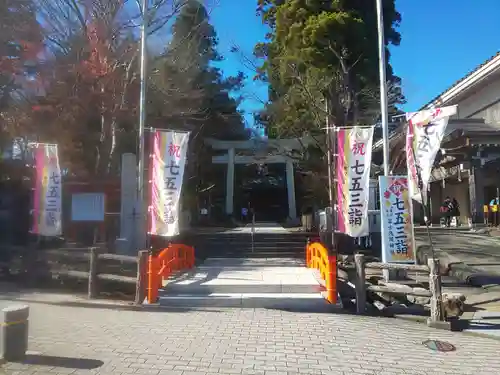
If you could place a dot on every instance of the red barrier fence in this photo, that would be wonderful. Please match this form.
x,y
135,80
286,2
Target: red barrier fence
x,y
317,257
173,259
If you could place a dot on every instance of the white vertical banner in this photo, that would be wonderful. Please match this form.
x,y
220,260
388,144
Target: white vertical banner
x,y
47,203
423,140
396,213
167,162
354,149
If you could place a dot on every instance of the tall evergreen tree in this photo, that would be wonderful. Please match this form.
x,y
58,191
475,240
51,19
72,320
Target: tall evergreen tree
x,y
321,59
192,94
187,67
20,41
324,49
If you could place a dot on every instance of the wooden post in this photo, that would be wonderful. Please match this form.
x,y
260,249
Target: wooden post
x,y
152,288
435,288
94,257
193,257
359,261
142,276
308,253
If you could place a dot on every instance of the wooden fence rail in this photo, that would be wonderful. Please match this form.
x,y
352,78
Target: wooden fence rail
x,y
91,264
434,292
94,276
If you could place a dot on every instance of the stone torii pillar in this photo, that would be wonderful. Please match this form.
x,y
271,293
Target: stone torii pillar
x,y
230,182
290,188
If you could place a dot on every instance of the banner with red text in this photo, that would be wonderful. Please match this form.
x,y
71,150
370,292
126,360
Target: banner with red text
x,y
423,140
354,156
396,213
47,194
167,163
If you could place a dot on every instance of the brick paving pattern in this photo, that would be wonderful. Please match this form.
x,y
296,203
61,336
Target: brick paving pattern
x,y
67,340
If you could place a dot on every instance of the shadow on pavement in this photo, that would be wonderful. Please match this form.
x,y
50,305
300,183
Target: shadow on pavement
x,y
483,302
483,264
104,305
327,309
476,325
62,362
481,279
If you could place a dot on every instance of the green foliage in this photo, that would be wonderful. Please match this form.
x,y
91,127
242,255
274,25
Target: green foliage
x,y
91,80
20,39
191,93
319,49
199,97
321,60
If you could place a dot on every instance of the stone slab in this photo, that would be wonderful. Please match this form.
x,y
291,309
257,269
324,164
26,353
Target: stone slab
x,y
248,300
14,332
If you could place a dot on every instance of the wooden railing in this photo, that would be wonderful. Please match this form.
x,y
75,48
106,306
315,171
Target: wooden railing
x,y
317,257
171,260
77,268
434,292
95,274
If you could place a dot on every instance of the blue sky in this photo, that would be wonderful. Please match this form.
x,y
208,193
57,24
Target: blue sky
x,y
442,40
237,24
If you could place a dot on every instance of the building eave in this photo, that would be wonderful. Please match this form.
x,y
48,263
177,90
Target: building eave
x,y
484,70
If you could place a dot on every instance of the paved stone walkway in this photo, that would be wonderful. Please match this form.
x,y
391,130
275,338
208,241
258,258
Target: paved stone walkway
x,y
67,340
478,251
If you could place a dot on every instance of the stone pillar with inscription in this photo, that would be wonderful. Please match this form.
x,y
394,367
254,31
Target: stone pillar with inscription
x,y
128,188
230,182
290,188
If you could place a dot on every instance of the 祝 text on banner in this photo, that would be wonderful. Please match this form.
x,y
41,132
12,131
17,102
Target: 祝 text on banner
x,y
168,162
353,180
47,193
396,211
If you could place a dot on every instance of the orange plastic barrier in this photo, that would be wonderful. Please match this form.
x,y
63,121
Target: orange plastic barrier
x,y
174,258
317,257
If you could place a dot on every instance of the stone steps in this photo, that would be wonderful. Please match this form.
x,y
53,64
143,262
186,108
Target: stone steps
x,y
293,301
269,274
239,244
247,283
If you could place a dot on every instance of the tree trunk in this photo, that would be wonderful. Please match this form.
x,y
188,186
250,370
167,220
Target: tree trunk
x,y
112,147
114,122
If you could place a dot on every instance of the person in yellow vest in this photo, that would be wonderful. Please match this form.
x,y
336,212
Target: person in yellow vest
x,y
494,210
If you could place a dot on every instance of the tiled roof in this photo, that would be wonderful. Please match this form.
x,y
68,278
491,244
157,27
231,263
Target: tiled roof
x,y
466,126
461,79
471,126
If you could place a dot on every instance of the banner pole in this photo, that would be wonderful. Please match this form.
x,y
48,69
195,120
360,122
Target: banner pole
x,y
383,87
141,227
331,150
383,99
420,183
